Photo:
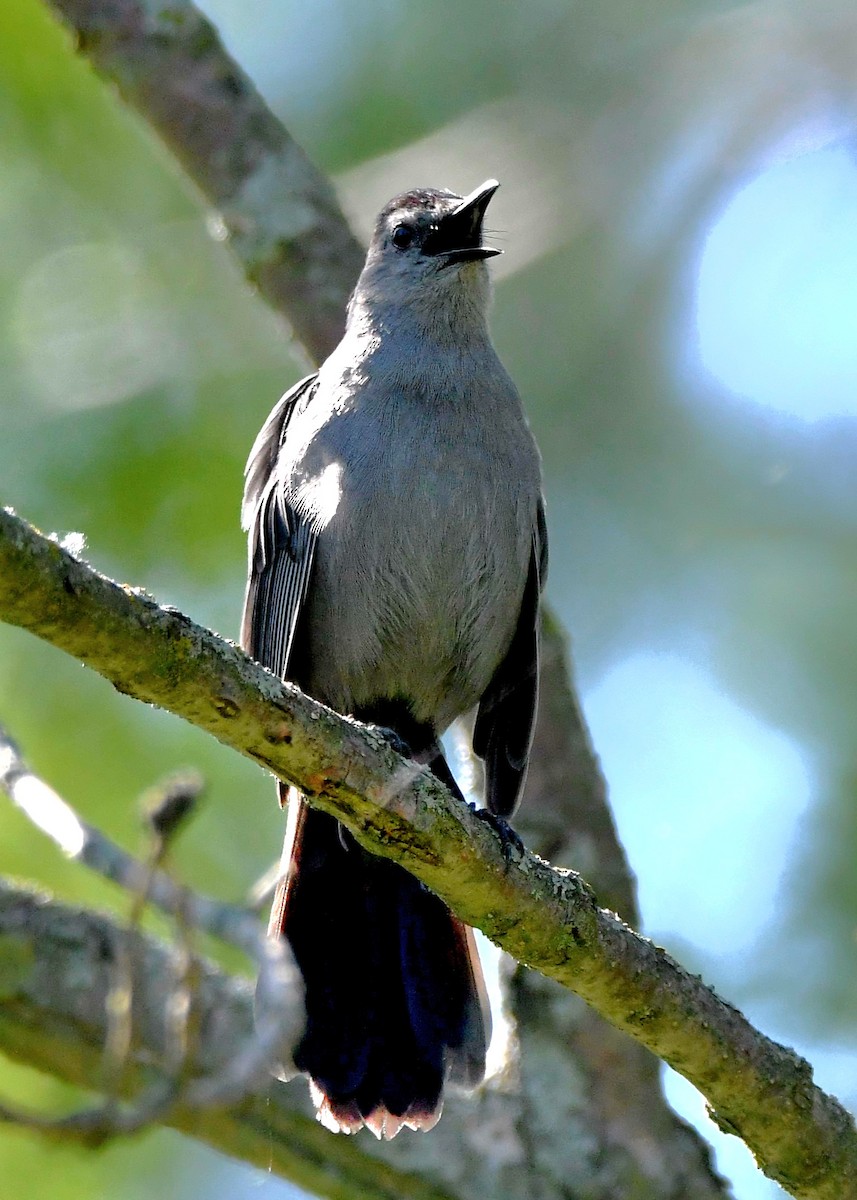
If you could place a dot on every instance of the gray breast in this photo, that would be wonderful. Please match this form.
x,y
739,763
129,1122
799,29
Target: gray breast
x,y
425,514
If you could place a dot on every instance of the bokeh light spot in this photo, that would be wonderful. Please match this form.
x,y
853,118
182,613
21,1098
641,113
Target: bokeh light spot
x,y
776,302
706,798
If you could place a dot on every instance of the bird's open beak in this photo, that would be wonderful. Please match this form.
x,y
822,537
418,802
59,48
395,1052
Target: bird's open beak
x,y
458,236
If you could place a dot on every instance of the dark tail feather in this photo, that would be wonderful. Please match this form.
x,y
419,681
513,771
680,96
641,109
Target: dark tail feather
x,y
396,1003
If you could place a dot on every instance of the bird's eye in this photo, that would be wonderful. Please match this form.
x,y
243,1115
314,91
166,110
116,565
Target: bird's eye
x,y
402,236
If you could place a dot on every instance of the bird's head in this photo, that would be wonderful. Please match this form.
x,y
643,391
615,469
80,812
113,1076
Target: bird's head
x,y
426,253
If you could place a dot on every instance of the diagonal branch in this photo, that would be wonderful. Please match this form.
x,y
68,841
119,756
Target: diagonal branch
x,y
544,917
279,210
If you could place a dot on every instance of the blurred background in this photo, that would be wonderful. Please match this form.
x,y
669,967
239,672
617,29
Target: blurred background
x,y
678,304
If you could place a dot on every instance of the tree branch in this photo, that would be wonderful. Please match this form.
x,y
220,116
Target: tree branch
x,y
55,978
279,1008
544,917
279,210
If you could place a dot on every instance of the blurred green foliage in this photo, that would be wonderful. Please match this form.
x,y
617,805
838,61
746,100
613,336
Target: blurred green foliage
x,y
136,366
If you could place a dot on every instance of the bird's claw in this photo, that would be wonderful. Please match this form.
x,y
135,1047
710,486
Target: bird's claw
x,y
394,740
510,842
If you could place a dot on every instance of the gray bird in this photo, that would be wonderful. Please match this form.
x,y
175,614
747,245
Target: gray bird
x,y
397,555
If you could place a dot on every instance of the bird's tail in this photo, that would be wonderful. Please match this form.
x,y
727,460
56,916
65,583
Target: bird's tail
x,y
395,998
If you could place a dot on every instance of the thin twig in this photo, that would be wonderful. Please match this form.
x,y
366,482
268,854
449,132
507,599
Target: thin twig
x,y
279,1007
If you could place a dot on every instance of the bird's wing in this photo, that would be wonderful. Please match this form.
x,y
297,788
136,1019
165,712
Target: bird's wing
x,y
503,732
282,544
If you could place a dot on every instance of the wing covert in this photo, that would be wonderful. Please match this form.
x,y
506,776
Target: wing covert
x,y
281,544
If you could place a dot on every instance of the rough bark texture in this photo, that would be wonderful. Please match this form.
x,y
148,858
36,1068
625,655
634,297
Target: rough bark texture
x,y
545,918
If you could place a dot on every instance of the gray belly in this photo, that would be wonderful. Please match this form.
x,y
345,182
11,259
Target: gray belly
x,y
416,591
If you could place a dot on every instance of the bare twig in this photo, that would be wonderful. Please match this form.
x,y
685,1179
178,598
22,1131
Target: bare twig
x,y
279,1005
81,841
110,1117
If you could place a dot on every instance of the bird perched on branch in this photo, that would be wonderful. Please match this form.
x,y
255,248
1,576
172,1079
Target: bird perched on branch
x,y
397,556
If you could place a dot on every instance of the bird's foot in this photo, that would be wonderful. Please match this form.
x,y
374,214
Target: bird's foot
x,y
394,740
510,842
